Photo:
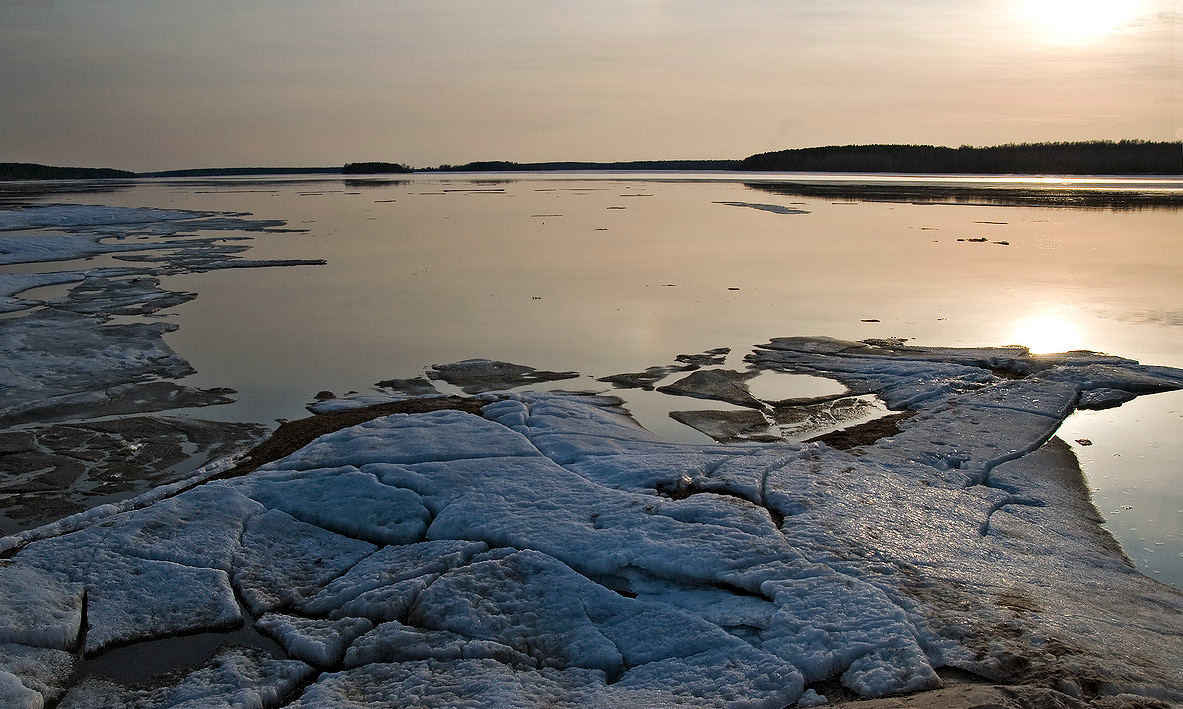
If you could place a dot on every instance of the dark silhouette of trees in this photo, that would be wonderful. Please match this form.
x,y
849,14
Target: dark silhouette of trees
x,y
576,166
242,172
31,171
375,168
1126,157
1099,157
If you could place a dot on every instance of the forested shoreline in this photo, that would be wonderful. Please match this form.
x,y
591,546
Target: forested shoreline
x,y
1125,157
31,171
1098,157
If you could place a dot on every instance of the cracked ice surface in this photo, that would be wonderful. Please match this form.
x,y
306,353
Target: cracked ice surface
x,y
538,556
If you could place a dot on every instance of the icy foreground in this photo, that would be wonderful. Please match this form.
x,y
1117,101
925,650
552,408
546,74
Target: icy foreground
x,y
552,553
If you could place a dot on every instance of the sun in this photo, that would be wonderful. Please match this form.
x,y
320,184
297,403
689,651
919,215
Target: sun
x,y
1079,20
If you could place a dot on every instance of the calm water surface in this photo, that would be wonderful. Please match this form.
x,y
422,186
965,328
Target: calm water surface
x,y
607,274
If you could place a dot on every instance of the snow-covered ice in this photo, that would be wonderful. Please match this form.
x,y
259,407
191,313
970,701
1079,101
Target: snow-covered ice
x,y
552,553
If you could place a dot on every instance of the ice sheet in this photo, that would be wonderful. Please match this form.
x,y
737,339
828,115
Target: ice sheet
x,y
573,560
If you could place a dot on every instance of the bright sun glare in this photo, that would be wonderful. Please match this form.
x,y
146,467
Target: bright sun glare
x,y
1047,334
1079,20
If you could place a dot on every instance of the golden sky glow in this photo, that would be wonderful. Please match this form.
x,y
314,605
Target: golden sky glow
x,y
156,84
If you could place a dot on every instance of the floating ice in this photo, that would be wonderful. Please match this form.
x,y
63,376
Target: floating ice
x,y
79,215
774,208
477,375
13,283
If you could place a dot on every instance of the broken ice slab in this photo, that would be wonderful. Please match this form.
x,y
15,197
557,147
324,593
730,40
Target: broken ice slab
x,y
729,426
784,421
719,384
66,216
62,232
474,376
649,378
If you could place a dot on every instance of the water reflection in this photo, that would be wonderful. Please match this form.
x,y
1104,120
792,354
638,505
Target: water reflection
x,y
1036,193
1049,333
1130,459
25,193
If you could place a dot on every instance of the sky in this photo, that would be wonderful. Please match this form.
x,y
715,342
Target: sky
x,y
166,84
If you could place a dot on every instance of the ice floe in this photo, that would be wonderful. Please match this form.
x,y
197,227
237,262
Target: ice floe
x,y
62,359
63,365
474,376
550,552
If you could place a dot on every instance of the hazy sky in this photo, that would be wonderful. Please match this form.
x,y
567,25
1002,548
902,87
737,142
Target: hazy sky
x,y
157,84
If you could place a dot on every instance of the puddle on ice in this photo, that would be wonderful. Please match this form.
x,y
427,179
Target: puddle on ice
x,y
1134,477
50,292
777,386
145,662
652,410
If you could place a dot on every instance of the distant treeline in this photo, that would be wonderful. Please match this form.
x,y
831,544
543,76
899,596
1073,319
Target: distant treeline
x,y
30,171
1126,157
1099,157
375,168
504,166
244,171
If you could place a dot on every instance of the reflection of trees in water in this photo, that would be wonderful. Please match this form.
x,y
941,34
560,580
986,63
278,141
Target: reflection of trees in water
x,y
375,168
1028,196
15,194
374,182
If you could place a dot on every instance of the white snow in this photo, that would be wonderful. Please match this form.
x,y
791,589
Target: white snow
x,y
552,553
